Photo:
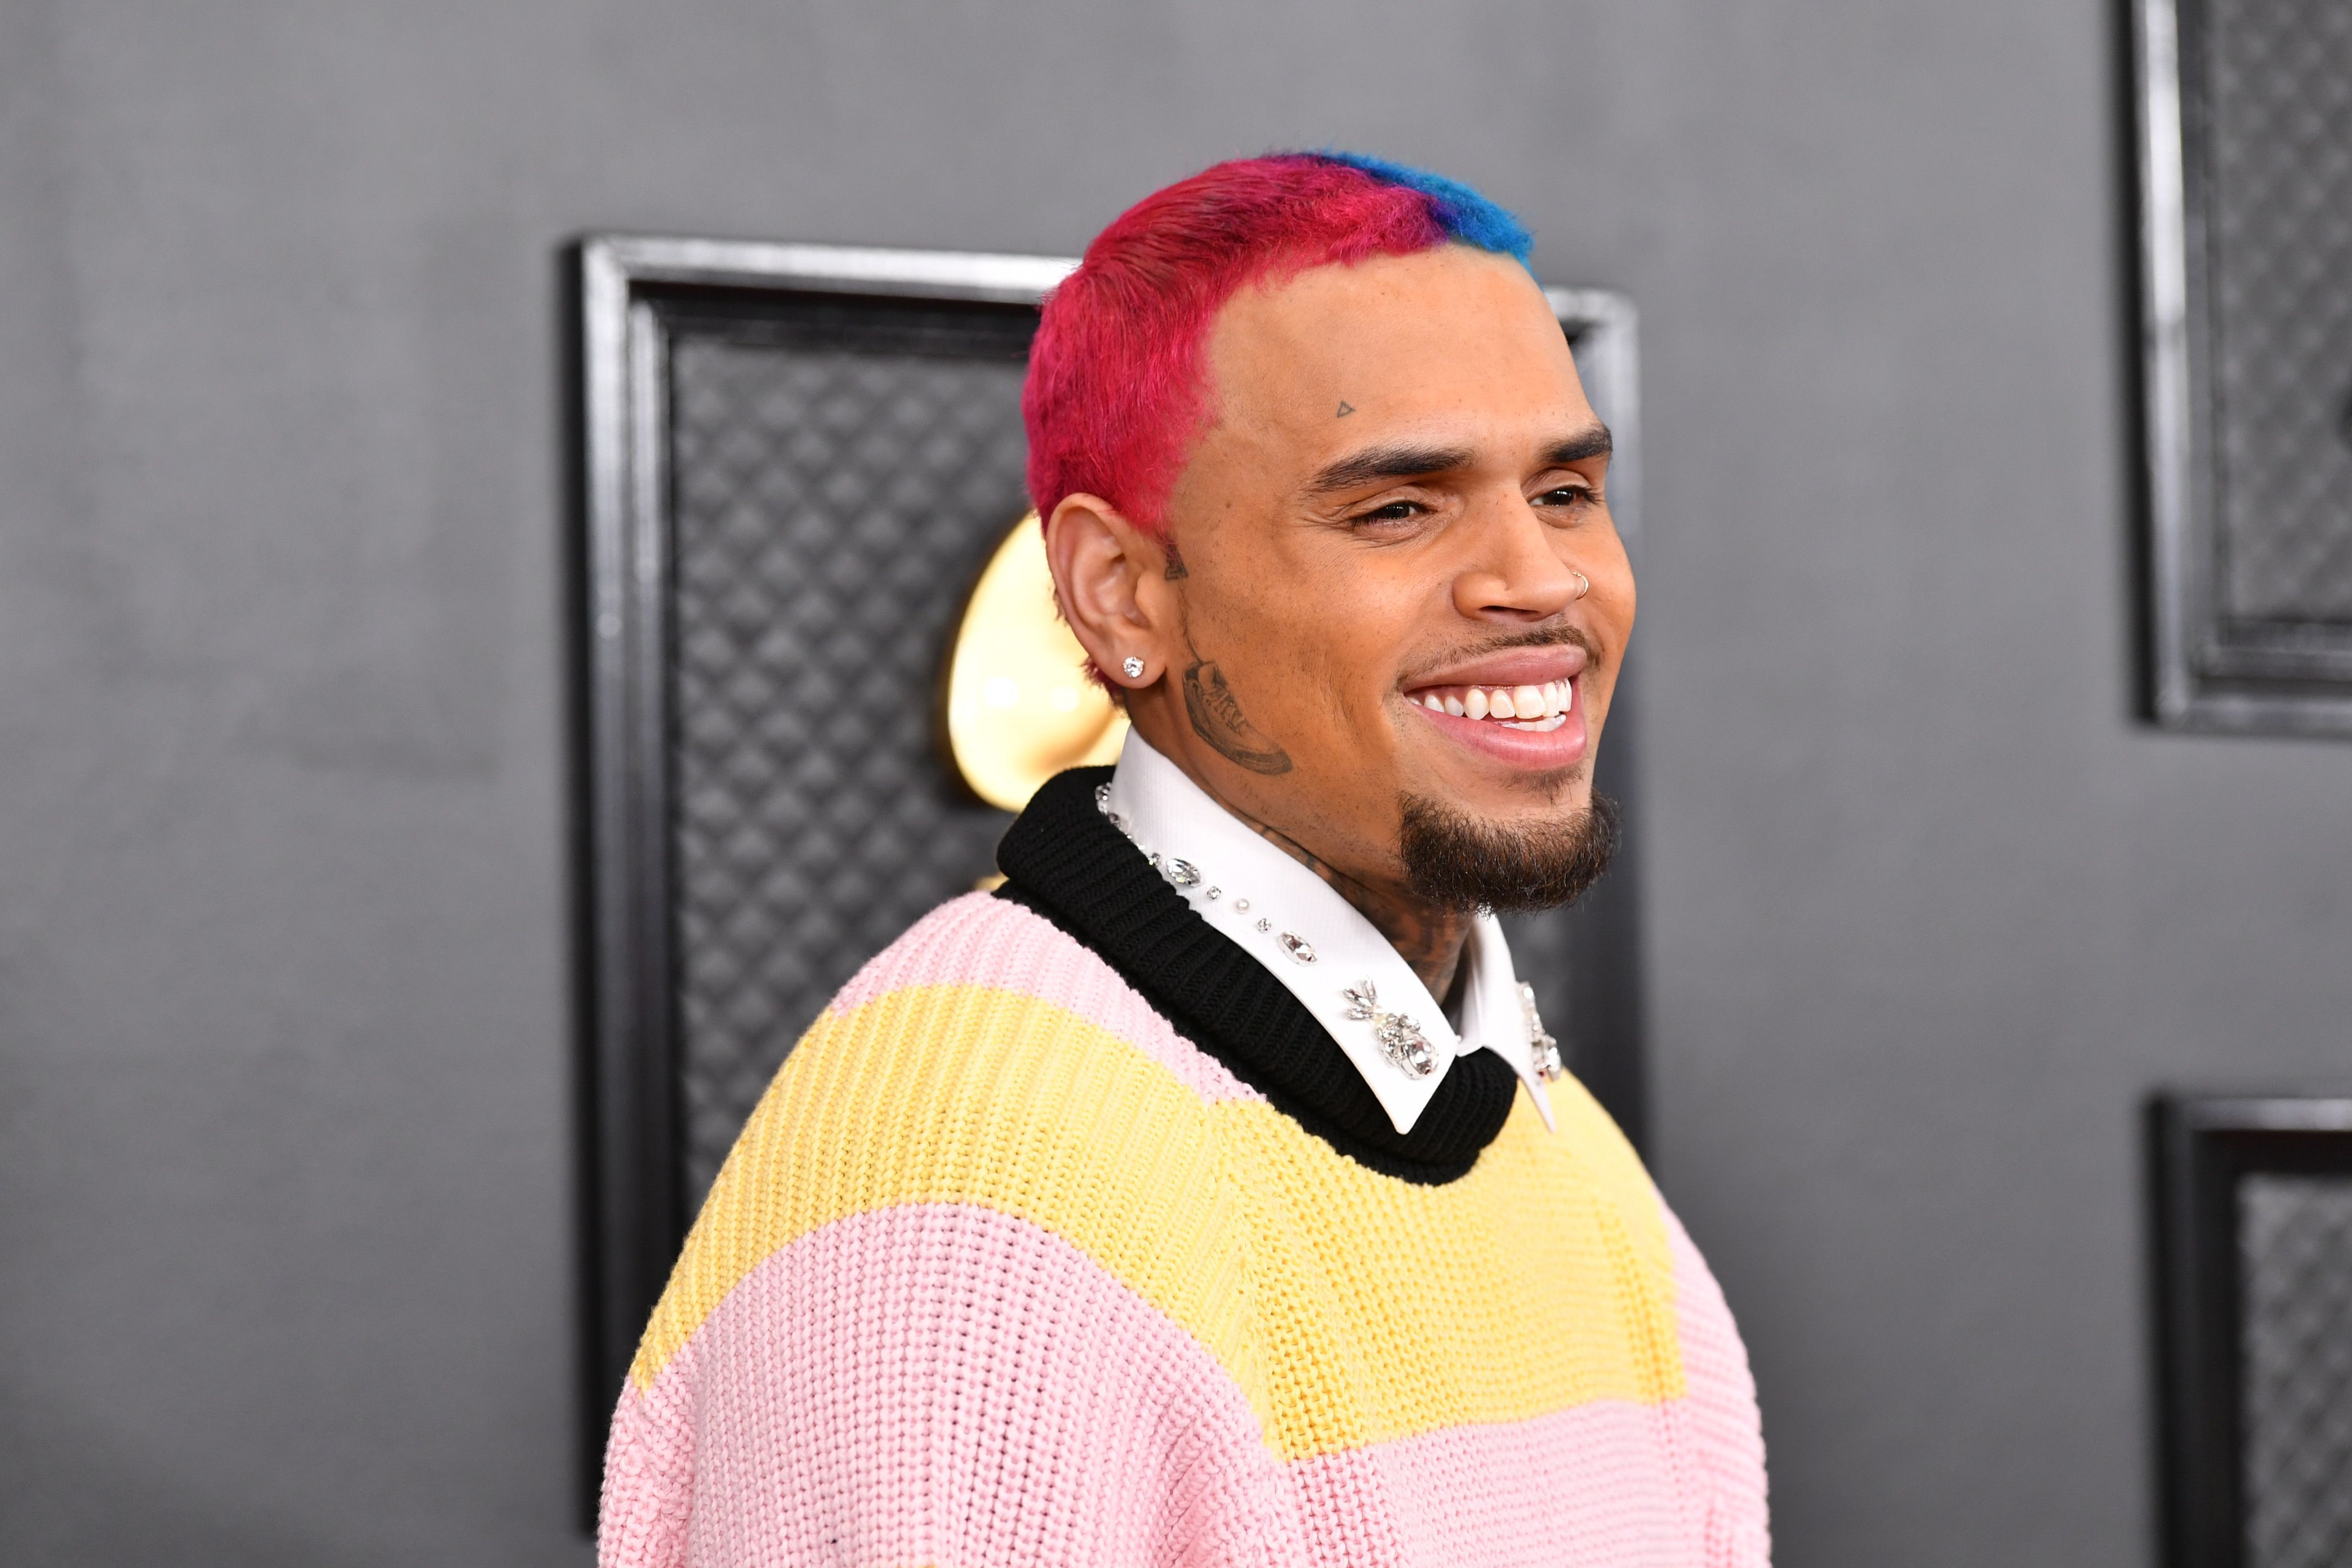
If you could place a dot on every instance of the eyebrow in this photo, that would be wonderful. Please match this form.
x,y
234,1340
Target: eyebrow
x,y
1593,441
1404,461
1397,462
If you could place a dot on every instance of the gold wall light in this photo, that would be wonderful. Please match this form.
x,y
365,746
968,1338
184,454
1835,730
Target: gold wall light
x,y
1020,707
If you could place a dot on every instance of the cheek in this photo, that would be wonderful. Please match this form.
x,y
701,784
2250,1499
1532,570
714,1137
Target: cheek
x,y
1317,643
1617,610
1613,595
1363,648
1323,651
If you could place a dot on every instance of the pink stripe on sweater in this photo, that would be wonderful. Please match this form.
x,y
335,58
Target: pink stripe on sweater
x,y
981,940
1590,1484
1721,1423
940,1384
944,1384
1678,1484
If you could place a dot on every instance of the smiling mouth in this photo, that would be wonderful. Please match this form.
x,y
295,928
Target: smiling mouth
x,y
1538,709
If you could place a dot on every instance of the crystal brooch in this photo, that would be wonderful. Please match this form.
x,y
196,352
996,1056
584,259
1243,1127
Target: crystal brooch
x,y
1541,1047
1399,1037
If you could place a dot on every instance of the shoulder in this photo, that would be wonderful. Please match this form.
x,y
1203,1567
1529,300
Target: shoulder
x,y
989,1066
979,1225
983,961
1706,1377
1595,1172
1608,1241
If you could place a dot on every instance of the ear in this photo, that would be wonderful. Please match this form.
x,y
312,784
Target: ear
x,y
1110,579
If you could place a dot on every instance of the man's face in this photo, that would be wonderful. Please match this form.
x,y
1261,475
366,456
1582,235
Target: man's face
x,y
1389,526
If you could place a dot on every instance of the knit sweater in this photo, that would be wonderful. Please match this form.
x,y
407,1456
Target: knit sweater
x,y
1058,1240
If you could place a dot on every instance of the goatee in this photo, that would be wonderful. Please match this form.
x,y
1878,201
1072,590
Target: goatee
x,y
1457,862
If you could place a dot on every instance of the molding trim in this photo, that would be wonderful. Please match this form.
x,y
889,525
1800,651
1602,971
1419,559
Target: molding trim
x,y
2206,669
2202,1147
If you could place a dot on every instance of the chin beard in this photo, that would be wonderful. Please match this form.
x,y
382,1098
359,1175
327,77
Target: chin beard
x,y
1457,862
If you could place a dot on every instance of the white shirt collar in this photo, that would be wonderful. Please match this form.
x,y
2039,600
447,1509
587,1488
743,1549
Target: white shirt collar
x,y
1313,940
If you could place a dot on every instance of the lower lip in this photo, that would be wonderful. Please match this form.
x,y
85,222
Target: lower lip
x,y
1531,749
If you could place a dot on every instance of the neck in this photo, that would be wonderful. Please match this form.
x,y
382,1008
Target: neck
x,y
1430,939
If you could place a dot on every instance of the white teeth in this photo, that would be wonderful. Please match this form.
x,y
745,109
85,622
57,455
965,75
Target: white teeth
x,y
1526,707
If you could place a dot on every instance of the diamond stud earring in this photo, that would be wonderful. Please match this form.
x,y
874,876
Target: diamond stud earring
x,y
1133,665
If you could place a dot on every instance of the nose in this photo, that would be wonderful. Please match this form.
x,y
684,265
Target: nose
x,y
1515,576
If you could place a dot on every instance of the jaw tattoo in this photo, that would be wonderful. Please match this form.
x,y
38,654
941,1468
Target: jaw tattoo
x,y
1217,718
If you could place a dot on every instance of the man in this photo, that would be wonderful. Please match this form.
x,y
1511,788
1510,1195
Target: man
x,y
1210,1194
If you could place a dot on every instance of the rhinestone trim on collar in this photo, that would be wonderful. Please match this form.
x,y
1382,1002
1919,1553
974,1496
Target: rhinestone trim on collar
x,y
1185,876
1399,1037
1541,1047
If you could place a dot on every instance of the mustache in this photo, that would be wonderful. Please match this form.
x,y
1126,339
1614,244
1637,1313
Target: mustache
x,y
1565,634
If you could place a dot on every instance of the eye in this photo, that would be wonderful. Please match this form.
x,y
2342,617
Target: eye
x,y
1395,512
1569,496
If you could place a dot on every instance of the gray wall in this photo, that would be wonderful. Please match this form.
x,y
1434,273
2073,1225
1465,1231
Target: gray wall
x,y
285,1224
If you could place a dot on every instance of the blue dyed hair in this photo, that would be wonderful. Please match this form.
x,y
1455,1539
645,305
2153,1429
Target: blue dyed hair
x,y
1464,214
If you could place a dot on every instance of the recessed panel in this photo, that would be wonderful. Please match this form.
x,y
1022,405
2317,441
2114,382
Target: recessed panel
x,y
837,486
2295,1249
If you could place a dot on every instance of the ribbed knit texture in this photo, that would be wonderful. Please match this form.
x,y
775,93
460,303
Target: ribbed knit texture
x,y
1005,1269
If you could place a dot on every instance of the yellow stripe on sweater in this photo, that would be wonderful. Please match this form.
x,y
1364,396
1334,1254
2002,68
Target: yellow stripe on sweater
x,y
1349,1308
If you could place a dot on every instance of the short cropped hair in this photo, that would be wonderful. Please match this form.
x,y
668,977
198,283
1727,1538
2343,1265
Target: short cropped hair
x,y
1118,388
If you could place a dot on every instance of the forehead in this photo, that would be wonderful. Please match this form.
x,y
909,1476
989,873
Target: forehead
x,y
1436,338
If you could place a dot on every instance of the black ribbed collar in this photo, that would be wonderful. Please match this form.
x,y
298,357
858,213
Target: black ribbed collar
x,y
1063,859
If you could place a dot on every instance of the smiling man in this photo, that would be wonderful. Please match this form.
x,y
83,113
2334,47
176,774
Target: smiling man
x,y
1212,1193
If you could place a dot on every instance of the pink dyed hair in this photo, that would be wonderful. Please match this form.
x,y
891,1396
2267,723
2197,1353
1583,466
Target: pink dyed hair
x,y
1119,387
